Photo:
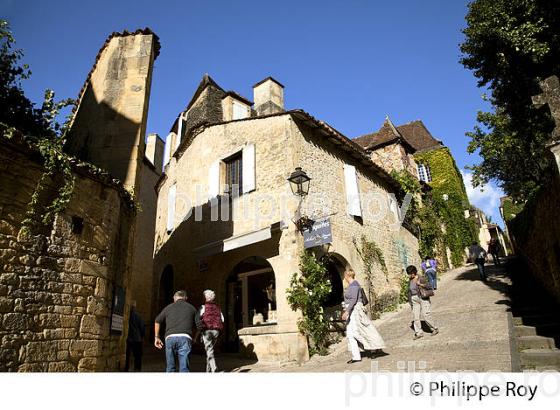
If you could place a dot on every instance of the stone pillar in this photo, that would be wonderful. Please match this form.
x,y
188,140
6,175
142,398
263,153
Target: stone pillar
x,y
109,125
154,151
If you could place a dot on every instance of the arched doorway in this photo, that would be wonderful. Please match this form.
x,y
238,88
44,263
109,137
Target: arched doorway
x,y
250,298
336,265
166,287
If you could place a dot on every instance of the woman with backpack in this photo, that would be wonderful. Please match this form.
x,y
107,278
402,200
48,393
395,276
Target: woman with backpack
x,y
359,327
429,266
211,323
419,292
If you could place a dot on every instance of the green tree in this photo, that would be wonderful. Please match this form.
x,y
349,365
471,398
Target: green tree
x,y
16,110
511,45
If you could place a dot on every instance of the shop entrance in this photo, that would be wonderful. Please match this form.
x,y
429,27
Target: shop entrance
x,y
250,298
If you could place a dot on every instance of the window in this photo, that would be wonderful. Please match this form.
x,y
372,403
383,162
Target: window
x,y
234,174
171,199
424,173
240,111
353,206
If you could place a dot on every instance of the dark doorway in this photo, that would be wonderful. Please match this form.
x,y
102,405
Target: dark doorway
x,y
250,298
166,287
335,271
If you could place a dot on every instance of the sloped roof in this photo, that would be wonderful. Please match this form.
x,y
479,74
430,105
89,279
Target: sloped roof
x,y
414,134
386,135
205,82
418,136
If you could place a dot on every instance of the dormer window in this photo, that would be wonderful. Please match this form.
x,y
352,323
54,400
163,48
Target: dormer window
x,y
235,107
424,173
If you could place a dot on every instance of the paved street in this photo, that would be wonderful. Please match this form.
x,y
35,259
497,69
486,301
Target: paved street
x,y
474,333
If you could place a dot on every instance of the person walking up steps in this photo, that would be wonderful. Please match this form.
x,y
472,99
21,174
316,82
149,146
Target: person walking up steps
x,y
419,292
429,266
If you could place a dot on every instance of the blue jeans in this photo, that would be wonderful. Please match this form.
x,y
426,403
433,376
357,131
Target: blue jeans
x,y
179,346
432,277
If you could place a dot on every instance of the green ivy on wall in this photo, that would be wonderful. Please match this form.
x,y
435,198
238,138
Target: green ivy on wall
x,y
511,209
449,201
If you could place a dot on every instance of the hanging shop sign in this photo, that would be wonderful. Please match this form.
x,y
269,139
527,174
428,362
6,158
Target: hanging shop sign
x,y
319,234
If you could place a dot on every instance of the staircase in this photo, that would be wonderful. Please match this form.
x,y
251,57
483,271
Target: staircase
x,y
536,322
538,338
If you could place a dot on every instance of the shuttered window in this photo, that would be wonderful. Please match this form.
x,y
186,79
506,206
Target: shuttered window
x,y
234,174
353,206
171,201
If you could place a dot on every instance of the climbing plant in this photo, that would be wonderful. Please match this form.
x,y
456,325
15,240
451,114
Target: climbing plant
x,y
449,201
371,255
42,131
308,290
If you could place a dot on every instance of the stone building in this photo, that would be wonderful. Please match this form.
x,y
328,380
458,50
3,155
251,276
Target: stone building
x,y
226,215
412,148
488,230
65,289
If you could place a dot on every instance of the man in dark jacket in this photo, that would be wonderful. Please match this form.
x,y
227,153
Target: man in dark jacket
x,y
179,318
136,332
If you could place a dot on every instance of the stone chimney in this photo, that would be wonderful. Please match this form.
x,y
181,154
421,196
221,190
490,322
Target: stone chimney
x,y
154,151
268,96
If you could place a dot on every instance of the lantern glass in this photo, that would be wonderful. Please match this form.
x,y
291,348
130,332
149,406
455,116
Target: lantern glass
x,y
299,182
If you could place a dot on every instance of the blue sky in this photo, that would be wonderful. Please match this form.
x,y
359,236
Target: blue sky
x,y
348,63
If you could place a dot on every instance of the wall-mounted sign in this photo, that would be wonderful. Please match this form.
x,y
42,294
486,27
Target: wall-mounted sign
x,y
117,317
320,233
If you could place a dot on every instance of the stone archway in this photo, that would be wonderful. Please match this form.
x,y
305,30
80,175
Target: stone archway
x,y
250,298
336,265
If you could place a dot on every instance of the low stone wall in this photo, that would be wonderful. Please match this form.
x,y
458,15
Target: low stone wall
x,y
56,286
535,233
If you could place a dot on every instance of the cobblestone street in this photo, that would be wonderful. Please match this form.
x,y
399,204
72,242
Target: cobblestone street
x,y
474,332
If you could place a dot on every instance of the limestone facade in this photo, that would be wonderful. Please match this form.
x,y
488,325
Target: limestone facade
x,y
56,286
253,239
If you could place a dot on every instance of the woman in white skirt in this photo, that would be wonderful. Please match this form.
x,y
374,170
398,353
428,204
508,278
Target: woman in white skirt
x,y
359,327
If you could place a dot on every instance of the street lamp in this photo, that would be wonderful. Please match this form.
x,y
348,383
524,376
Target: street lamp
x,y
299,182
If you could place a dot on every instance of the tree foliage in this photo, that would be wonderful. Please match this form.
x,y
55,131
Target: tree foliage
x,y
510,45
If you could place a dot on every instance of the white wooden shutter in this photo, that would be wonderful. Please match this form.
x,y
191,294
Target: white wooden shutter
x,y
248,164
353,206
240,111
171,201
167,150
214,180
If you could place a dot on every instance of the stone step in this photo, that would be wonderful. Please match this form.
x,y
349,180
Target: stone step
x,y
521,330
534,358
536,320
547,368
535,342
548,329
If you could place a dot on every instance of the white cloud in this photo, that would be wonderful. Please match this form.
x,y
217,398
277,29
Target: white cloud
x,y
486,198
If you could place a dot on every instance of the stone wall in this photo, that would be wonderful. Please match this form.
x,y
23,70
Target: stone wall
x,y
56,286
394,157
535,236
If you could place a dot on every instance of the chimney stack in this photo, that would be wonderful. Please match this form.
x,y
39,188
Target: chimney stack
x,y
154,151
268,96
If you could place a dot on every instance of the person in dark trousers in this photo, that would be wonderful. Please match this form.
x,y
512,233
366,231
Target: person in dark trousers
x,y
494,250
135,338
211,323
429,266
477,254
179,318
